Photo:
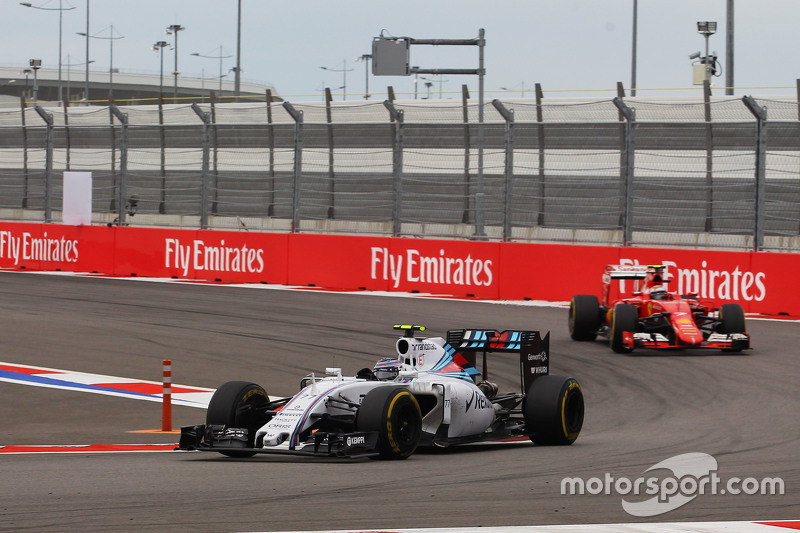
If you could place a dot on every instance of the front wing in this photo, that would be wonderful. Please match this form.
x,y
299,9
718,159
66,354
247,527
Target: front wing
x,y
719,341
235,440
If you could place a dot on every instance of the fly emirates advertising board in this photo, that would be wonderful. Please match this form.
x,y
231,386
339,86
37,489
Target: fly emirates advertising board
x,y
468,269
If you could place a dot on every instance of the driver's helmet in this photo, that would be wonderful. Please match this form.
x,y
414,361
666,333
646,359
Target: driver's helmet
x,y
386,369
658,293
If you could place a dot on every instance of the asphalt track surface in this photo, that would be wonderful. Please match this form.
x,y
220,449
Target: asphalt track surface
x,y
642,409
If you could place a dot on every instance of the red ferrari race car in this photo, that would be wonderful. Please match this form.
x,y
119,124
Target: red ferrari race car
x,y
653,317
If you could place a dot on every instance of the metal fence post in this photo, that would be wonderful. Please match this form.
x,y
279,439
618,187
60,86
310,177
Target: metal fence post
x,y
48,163
113,136
628,170
540,187
67,147
508,172
709,156
622,139
122,200
206,118
397,166
331,177
162,203
297,116
271,144
797,83
480,214
465,116
24,154
761,168
212,101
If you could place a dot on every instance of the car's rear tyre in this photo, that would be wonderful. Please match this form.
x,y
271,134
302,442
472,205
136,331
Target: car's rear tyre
x,y
554,410
624,318
395,414
238,404
584,317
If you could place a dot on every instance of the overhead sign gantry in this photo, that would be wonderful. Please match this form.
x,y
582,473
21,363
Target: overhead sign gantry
x,y
391,56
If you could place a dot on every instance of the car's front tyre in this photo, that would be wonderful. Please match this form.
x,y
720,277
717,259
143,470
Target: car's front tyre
x,y
238,404
624,318
732,320
395,414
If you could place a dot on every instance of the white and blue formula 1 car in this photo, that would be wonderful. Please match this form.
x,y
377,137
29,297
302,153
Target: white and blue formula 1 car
x,y
431,394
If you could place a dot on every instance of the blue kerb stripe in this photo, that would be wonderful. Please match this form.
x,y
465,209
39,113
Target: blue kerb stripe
x,y
17,376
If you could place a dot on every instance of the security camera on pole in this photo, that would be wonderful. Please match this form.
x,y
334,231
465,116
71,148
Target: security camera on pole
x,y
703,67
35,64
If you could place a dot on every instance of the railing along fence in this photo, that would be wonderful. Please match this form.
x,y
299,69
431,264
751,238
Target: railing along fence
x,y
628,171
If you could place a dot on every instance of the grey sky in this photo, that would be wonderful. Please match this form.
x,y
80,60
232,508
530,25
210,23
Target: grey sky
x,y
566,45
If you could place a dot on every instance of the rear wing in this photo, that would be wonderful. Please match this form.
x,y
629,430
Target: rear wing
x,y
533,349
634,271
640,274
626,271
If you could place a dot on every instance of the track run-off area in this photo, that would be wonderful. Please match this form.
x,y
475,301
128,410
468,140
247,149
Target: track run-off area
x,y
735,415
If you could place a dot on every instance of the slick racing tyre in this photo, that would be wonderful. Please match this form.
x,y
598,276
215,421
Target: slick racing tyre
x,y
624,318
584,317
394,413
553,410
238,404
731,318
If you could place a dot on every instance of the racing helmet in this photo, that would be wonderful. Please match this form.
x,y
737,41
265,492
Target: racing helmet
x,y
658,293
386,369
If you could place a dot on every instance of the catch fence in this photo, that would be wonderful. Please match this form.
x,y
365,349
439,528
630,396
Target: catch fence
x,y
712,172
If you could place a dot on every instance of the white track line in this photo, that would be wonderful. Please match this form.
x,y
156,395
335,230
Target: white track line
x,y
663,527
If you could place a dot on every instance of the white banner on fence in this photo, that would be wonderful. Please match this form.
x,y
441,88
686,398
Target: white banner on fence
x,y
77,203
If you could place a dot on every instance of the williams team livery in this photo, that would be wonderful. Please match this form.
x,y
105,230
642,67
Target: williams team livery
x,y
430,394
